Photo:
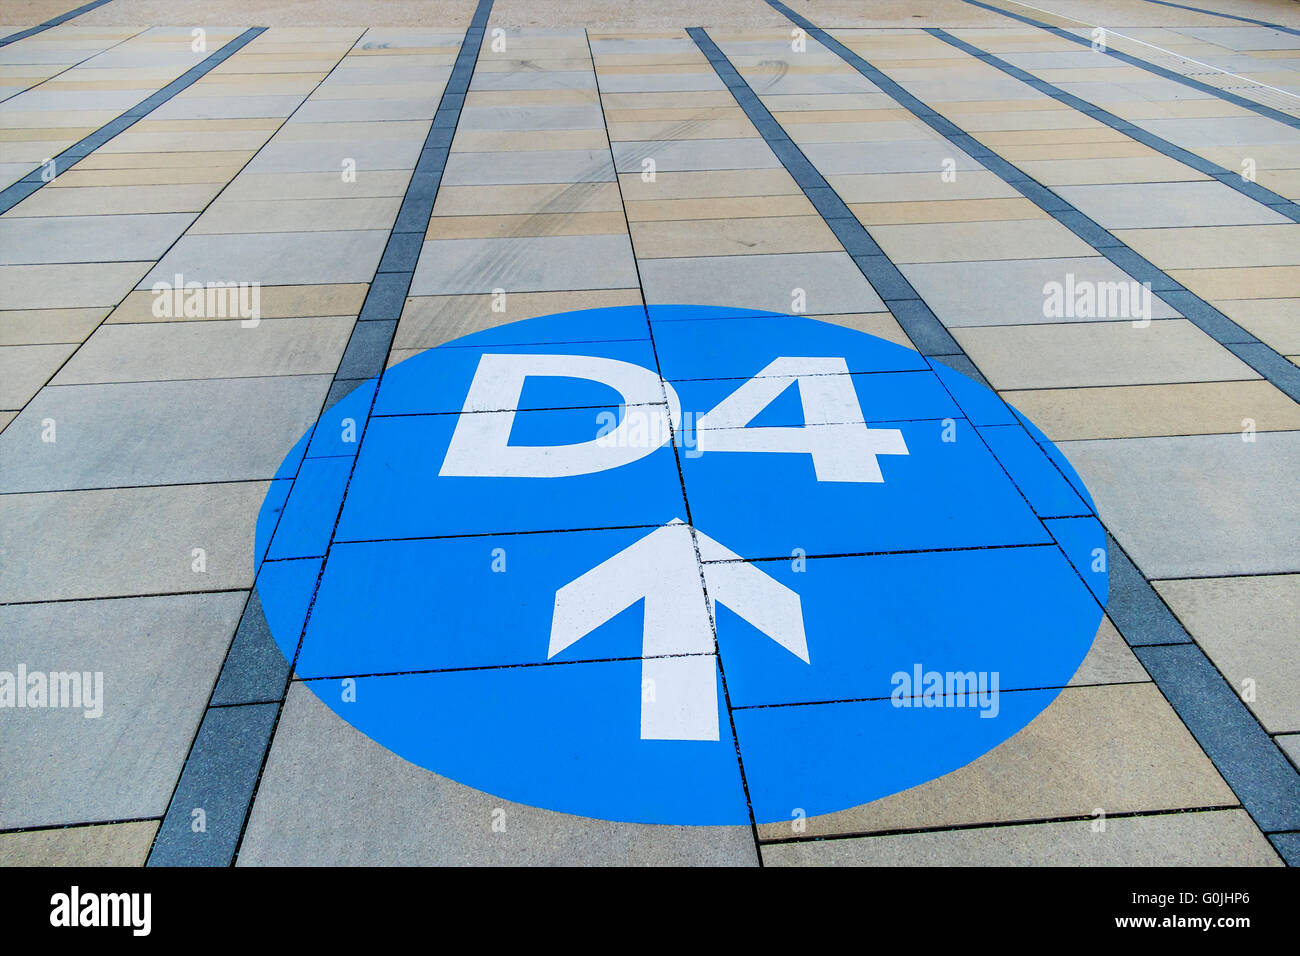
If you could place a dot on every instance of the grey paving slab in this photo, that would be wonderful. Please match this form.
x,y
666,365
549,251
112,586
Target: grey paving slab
x,y
1200,505
25,368
1099,353
1019,239
585,116
217,348
90,238
529,166
127,541
387,811
532,264
156,657
284,155
1246,625
1241,131
273,258
659,82
372,109
539,80
158,433
830,282
1210,838
71,286
1151,205
1015,291
1290,744
105,844
694,154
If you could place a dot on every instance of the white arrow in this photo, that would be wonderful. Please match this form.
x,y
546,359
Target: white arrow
x,y
679,698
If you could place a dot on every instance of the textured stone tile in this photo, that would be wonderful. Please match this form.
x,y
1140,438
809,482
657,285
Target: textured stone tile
x,y
966,242
109,844
127,540
831,281
297,215
1200,505
432,320
1150,205
534,224
158,433
1245,625
78,285
273,258
729,237
385,810
1119,747
25,368
158,657
275,302
546,198
214,349
537,264
1144,411
1099,353
1264,282
1214,838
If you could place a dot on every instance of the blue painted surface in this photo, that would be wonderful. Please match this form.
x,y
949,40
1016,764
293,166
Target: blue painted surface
x,y
942,566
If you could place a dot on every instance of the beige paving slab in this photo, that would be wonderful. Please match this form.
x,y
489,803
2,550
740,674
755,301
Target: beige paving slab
x,y
683,129
110,200
1216,247
1051,137
431,320
1103,150
25,368
218,157
727,207
919,187
1109,660
708,184
106,844
1247,627
48,326
945,211
147,176
276,302
1099,353
1209,839
979,241
880,324
1274,321
719,237
1264,282
318,185
1118,747
127,540
1144,411
536,224
527,198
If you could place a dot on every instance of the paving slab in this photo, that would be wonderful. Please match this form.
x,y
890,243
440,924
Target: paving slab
x,y
1200,505
118,760
107,844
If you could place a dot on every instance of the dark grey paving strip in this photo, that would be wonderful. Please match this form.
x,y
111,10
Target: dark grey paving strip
x,y
1264,359
20,190
1251,763
61,18
1254,766
920,324
1142,64
1228,16
224,767
1267,197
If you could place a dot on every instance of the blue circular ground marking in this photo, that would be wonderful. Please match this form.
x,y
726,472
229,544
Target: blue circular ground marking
x,y
901,571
